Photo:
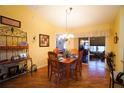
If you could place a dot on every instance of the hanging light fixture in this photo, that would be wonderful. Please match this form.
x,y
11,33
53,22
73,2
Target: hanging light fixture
x,y
67,36
68,11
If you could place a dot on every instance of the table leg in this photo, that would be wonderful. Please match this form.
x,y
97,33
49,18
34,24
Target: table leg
x,y
67,71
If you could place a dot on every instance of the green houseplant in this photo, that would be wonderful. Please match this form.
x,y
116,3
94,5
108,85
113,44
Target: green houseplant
x,y
66,53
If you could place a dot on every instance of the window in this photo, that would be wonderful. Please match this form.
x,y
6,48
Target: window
x,y
101,48
97,48
93,48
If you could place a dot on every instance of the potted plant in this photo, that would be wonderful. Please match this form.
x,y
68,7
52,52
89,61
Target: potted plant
x,y
66,53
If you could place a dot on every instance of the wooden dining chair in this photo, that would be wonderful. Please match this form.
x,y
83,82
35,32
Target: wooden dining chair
x,y
56,68
115,77
77,67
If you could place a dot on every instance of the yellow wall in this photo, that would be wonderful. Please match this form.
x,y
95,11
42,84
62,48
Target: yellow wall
x,y
118,27
34,25
76,43
95,30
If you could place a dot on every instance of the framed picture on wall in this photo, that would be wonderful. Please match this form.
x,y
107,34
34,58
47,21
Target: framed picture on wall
x,y
9,21
43,40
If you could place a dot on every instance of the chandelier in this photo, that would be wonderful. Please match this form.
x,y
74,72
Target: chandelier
x,y
66,36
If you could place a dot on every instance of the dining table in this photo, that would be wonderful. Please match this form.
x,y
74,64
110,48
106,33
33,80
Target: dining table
x,y
67,62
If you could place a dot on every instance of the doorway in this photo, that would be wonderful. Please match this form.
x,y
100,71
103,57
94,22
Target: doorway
x,y
61,42
97,48
84,46
93,48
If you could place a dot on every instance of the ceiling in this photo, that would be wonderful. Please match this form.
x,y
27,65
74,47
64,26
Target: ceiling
x,y
79,16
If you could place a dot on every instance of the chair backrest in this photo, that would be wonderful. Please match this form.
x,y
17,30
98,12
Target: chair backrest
x,y
80,54
74,51
110,66
53,60
56,50
52,55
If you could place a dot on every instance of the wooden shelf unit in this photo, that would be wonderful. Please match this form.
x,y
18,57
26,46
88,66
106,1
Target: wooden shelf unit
x,y
12,41
12,45
14,61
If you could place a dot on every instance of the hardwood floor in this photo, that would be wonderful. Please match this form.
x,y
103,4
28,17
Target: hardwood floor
x,y
94,75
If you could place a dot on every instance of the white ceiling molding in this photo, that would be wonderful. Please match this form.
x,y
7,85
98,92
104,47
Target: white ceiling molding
x,y
96,33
